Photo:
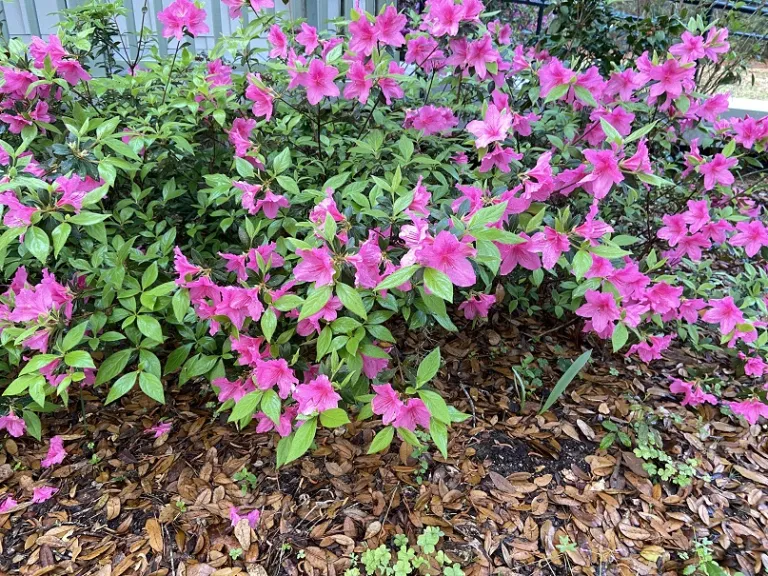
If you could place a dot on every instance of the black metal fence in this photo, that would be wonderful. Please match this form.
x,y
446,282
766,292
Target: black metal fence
x,y
749,7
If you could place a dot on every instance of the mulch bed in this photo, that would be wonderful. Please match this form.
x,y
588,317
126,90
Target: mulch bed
x,y
515,486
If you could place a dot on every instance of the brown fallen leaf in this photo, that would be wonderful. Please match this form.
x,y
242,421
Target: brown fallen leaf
x,y
113,508
243,533
155,535
752,475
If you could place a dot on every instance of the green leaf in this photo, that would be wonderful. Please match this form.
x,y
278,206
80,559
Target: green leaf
x,y
428,367
38,362
382,440
180,303
409,437
149,276
351,299
436,405
557,92
36,241
152,386
34,426
282,161
566,379
487,215
107,127
536,221
74,336
302,440
582,262
653,180
334,418
611,134
20,385
177,358
37,389
397,278
271,405
113,365
585,95
246,407
150,327
439,433
315,302
608,251
60,235
88,218
122,148
439,284
619,337
288,302
79,359
268,323
122,386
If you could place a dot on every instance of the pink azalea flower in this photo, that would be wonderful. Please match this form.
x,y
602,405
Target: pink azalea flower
x,y
233,390
411,414
240,135
600,308
553,74
312,324
284,425
43,493
318,80
236,263
430,119
689,310
499,157
493,128
389,27
262,98
751,235
480,53
308,38
725,312
605,172
237,304
697,214
219,74
373,366
550,244
367,262
159,429
249,349
8,504
72,71
13,424
56,453
717,171
386,403
694,395
672,77
748,130
316,396
389,86
360,84
278,41
674,228
692,246
424,52
38,301
690,49
38,49
443,17
477,305
651,350
182,14
252,517
362,39
451,257
17,215
421,199
271,204
184,268
624,84
711,108
753,365
716,43
750,409
271,373
316,266
73,190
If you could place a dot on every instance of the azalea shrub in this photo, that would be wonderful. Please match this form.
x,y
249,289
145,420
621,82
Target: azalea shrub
x,y
260,217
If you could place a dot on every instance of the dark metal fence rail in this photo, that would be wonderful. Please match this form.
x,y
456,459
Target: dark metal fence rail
x,y
750,7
